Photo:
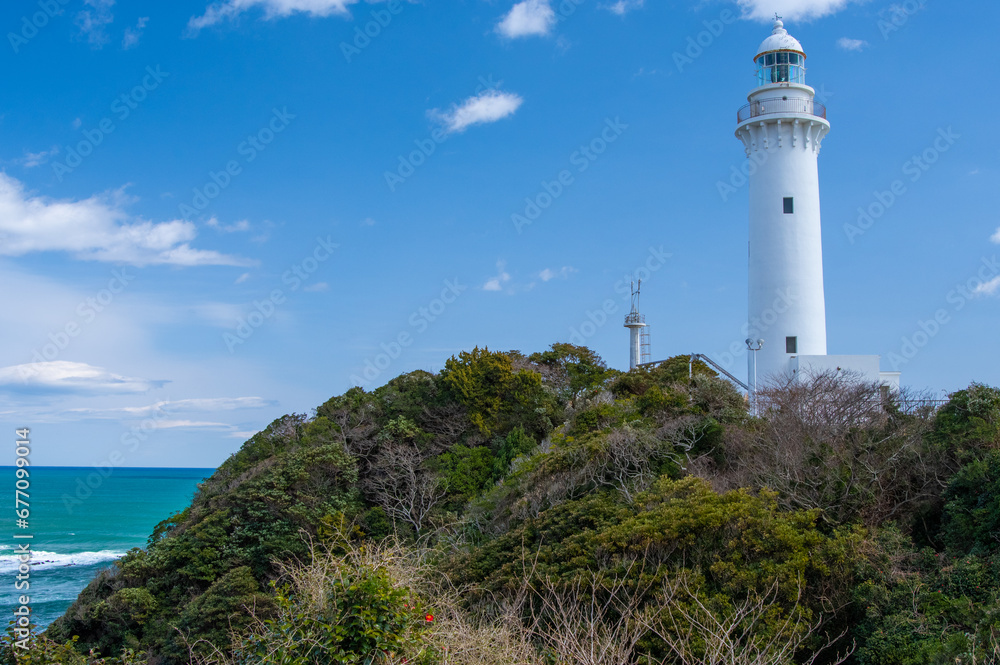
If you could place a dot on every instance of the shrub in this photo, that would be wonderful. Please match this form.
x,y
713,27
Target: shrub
x,y
972,513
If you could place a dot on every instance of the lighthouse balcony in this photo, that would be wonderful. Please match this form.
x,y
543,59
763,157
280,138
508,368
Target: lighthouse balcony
x,y
635,319
780,106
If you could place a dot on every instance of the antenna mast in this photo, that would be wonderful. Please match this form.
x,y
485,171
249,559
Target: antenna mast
x,y
639,347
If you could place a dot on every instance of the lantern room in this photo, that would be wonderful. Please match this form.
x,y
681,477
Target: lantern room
x,y
780,58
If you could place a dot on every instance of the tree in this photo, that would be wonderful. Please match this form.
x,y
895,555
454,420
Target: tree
x,y
972,512
402,486
515,444
496,396
595,620
969,422
756,630
356,413
831,443
629,460
582,369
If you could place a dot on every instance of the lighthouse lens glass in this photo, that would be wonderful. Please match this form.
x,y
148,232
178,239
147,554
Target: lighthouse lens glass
x,y
781,68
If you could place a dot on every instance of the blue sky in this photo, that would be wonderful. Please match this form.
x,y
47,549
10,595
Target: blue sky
x,y
212,214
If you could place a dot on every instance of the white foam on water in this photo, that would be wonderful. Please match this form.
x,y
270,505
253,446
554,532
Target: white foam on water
x,y
41,560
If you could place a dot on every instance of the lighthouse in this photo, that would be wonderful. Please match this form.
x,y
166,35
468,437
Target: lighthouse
x,y
782,128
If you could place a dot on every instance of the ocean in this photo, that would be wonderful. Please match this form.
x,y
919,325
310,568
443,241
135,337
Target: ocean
x,y
81,522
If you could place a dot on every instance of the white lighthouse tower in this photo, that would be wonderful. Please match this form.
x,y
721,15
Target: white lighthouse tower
x,y
782,129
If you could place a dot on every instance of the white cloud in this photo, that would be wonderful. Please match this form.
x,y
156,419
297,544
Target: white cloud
x,y
548,274
133,35
791,10
230,9
223,403
488,106
318,287
71,377
95,229
996,237
242,278
93,21
623,7
180,406
368,221
189,424
849,44
78,123
528,18
496,283
989,288
33,159
237,227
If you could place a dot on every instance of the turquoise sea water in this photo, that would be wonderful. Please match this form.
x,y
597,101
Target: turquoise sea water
x,y
81,522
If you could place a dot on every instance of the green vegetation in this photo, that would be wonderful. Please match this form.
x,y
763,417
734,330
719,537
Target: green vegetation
x,y
547,510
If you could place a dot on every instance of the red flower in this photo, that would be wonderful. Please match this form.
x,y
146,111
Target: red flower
x,y
429,618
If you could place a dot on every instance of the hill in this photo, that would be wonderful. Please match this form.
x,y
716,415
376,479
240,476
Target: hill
x,y
546,509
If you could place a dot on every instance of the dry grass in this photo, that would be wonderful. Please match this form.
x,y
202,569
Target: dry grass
x,y
592,621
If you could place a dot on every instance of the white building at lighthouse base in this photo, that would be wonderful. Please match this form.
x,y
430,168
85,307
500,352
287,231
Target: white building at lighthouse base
x,y
862,368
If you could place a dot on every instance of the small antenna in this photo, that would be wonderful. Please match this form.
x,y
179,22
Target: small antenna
x,y
636,289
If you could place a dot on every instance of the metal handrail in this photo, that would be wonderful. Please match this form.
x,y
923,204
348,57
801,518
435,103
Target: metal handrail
x,y
913,405
698,356
635,317
774,105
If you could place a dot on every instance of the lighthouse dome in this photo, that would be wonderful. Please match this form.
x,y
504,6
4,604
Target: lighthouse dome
x,y
780,58
779,40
